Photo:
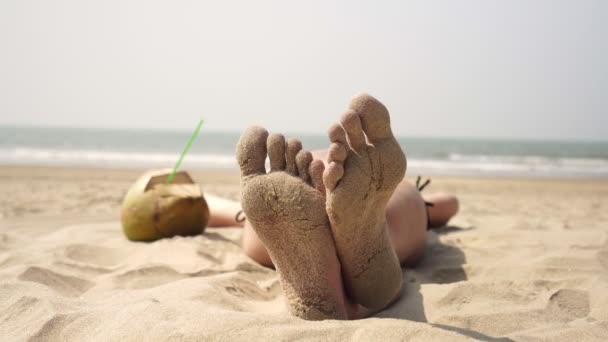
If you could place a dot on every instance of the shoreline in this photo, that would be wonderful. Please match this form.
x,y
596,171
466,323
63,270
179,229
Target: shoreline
x,y
132,169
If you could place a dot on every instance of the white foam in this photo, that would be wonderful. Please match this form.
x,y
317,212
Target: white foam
x,y
455,164
21,155
512,166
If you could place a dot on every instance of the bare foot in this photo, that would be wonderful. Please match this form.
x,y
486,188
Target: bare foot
x,y
360,178
287,210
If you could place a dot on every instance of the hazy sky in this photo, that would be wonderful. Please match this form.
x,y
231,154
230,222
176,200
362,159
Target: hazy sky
x,y
444,68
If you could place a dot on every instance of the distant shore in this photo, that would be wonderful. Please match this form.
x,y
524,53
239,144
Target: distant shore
x,y
112,148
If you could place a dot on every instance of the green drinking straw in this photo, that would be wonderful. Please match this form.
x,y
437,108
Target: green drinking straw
x,y
179,161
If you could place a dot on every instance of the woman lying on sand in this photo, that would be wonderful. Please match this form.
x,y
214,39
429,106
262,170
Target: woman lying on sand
x,y
336,224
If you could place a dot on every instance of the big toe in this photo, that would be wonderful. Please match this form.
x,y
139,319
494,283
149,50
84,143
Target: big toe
x,y
374,116
251,151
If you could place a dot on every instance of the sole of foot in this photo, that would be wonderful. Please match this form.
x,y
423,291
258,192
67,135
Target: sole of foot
x,y
365,165
286,208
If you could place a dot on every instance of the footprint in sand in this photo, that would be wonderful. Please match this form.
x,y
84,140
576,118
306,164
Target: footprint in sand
x,y
480,293
63,284
563,306
53,329
569,304
91,256
148,277
245,289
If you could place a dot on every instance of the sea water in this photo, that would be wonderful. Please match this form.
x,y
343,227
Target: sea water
x,y
426,156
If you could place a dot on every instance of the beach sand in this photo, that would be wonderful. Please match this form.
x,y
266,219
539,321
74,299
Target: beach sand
x,y
525,260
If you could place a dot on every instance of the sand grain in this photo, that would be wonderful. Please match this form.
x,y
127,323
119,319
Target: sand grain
x,y
525,260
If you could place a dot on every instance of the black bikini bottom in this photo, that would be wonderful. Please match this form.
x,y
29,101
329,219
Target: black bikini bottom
x,y
421,187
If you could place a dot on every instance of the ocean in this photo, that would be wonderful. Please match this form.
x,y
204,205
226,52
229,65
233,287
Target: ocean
x,y
426,156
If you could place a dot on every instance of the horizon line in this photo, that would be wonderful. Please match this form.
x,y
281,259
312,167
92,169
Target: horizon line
x,y
304,133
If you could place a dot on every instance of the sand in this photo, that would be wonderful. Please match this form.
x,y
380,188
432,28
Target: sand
x,y
525,260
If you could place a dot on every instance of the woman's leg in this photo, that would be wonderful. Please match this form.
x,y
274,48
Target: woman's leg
x,y
407,223
254,247
222,211
406,217
445,206
406,220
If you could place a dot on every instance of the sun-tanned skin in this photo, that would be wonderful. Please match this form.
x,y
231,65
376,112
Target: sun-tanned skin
x,y
366,164
287,211
406,217
336,236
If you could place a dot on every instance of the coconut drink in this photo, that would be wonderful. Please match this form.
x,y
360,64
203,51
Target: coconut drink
x,y
152,209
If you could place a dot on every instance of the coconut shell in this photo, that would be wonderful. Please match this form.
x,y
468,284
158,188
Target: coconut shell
x,y
152,210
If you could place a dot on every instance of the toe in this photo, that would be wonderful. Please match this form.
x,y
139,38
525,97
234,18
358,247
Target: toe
x,y
293,147
337,152
374,117
303,159
338,149
251,151
336,133
276,151
332,175
352,126
316,175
